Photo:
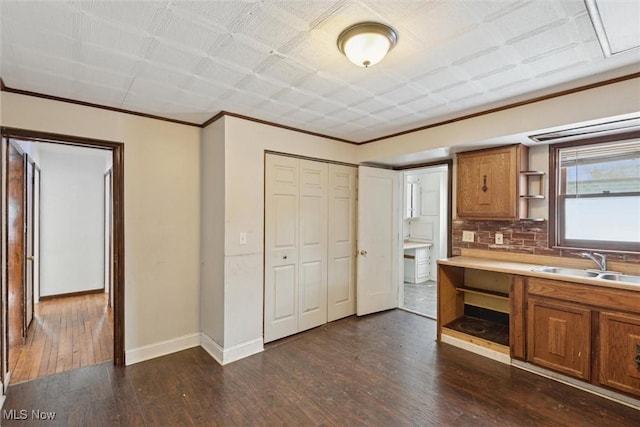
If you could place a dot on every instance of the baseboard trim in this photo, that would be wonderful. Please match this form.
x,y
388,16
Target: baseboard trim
x,y
483,351
245,349
589,388
212,347
71,294
227,355
151,351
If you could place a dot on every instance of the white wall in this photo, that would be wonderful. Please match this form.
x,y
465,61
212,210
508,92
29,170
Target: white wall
x,y
245,143
71,218
212,166
162,215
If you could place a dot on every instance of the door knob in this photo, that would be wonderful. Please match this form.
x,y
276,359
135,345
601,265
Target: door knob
x,y
30,258
363,252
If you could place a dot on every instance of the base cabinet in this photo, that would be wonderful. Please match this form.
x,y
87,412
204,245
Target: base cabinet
x,y
559,337
620,352
416,265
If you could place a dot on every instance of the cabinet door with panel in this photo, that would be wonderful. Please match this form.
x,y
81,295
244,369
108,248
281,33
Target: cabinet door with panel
x,y
620,351
416,264
488,183
559,337
422,264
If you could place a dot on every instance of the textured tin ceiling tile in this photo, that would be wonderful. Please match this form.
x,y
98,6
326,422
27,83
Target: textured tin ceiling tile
x,y
279,60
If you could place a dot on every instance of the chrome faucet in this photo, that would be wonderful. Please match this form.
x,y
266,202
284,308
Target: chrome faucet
x,y
599,259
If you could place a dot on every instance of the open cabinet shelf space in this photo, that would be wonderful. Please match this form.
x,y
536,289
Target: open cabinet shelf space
x,y
488,330
494,294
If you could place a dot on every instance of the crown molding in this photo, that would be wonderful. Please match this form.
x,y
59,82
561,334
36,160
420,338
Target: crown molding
x,y
224,113
509,106
265,122
7,89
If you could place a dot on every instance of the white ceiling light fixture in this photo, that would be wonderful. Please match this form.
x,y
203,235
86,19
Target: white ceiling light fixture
x,y
367,43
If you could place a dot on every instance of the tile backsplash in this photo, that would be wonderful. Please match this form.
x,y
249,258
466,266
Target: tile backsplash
x,y
530,237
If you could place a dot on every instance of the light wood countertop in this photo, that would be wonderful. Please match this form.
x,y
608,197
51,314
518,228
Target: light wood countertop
x,y
526,269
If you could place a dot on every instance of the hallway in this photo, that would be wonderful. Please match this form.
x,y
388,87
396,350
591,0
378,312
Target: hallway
x,y
65,334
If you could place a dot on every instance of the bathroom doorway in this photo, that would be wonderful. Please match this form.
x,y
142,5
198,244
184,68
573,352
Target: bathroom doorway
x,y
426,235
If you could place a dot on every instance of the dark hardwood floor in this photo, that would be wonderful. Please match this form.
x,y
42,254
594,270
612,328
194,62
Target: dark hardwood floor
x,y
380,370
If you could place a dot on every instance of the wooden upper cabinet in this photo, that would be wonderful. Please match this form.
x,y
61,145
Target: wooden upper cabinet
x,y
489,182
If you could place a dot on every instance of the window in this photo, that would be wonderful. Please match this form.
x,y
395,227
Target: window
x,y
596,189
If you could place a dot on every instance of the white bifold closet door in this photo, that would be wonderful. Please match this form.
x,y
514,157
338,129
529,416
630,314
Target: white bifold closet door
x,y
342,241
298,226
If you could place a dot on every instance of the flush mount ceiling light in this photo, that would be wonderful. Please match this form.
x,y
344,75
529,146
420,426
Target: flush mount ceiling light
x,y
366,43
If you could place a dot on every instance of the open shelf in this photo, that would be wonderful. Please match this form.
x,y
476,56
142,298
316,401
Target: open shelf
x,y
489,330
476,291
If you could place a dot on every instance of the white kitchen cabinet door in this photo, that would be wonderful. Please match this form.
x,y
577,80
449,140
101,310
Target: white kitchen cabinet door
x,y
378,278
281,247
342,242
312,279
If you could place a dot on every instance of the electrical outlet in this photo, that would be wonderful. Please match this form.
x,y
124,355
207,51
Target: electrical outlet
x,y
468,236
243,238
499,239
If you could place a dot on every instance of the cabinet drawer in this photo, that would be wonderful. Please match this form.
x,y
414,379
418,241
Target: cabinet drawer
x,y
422,255
618,299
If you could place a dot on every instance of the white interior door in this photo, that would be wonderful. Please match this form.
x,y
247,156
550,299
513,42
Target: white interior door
x,y
281,247
341,292
312,279
378,278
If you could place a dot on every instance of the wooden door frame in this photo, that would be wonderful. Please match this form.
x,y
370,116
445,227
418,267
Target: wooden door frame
x,y
108,211
29,161
23,266
36,169
117,189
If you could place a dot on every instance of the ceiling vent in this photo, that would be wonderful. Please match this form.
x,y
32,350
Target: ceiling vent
x,y
602,129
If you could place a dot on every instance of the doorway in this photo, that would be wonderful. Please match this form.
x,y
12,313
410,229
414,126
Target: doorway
x,y
425,228
27,268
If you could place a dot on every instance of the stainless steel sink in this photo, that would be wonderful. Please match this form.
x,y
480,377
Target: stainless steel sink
x,y
606,275
620,278
567,271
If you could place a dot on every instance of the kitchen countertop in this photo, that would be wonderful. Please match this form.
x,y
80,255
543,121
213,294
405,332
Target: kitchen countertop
x,y
415,245
526,269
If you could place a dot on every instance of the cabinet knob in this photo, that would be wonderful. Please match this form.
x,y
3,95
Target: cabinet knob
x,y
363,252
284,257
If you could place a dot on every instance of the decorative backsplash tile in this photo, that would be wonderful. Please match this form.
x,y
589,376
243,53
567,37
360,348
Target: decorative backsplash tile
x,y
530,237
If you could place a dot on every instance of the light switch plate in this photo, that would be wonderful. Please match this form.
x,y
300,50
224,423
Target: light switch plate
x,y
468,236
243,238
499,240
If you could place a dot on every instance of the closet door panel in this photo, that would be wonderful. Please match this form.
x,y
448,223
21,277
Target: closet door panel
x,y
312,279
281,247
342,239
